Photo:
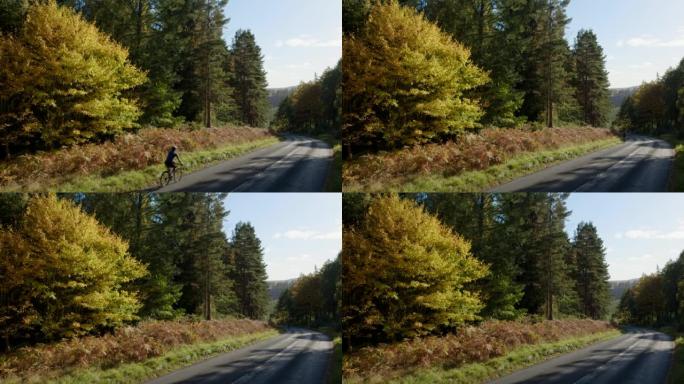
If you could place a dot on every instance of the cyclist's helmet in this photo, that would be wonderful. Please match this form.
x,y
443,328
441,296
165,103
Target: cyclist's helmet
x,y
174,147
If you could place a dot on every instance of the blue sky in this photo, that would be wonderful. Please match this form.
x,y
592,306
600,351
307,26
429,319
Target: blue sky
x,y
298,38
641,38
640,231
298,231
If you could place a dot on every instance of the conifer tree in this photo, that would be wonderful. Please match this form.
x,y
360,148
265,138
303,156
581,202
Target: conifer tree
x,y
249,271
591,274
591,79
249,79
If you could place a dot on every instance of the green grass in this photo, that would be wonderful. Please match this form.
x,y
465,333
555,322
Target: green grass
x,y
148,177
676,183
334,374
518,166
517,359
333,183
155,367
676,373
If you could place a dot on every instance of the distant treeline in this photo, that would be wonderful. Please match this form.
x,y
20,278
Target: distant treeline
x,y
426,263
656,107
87,263
313,107
421,70
657,299
312,300
74,71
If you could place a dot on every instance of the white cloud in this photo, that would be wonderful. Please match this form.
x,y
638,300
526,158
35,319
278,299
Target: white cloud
x,y
307,41
641,258
306,234
650,41
302,257
647,64
650,234
299,66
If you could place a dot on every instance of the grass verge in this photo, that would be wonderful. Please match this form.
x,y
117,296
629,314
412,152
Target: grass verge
x,y
517,359
676,182
333,183
334,374
147,178
676,373
150,368
475,181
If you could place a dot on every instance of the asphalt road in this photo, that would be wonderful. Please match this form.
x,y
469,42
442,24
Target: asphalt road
x,y
640,164
298,164
637,357
297,357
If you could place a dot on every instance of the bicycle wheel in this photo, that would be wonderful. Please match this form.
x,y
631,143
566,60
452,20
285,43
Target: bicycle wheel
x,y
178,175
164,179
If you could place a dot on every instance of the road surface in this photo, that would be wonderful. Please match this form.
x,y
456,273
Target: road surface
x,y
298,164
640,164
298,357
637,357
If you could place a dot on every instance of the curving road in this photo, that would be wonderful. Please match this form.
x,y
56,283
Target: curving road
x,y
640,164
297,357
297,164
637,357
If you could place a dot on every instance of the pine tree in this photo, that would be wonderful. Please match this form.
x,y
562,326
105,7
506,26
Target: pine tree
x,y
591,79
249,271
249,79
591,274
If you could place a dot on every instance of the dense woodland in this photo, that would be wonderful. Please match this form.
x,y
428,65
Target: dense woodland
x,y
657,107
429,70
314,107
313,300
425,264
88,263
74,71
656,299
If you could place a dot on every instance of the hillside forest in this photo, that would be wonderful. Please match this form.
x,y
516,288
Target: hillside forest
x,y
87,264
656,107
416,265
314,107
656,299
429,71
75,72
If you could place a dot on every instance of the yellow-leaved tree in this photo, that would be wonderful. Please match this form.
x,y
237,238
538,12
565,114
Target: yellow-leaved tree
x,y
404,274
404,81
63,274
62,81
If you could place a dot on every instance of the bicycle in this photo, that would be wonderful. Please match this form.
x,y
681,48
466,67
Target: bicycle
x,y
167,176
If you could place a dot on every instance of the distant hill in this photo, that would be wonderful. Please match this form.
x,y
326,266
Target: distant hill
x,y
619,95
277,95
618,288
276,288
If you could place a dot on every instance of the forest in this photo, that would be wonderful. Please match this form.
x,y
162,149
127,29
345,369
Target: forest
x,y
416,265
430,71
87,264
83,71
656,107
657,299
313,300
314,107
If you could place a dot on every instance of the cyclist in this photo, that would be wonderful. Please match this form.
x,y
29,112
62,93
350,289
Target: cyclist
x,y
170,161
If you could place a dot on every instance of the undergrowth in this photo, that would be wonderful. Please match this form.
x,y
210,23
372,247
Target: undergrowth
x,y
473,152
